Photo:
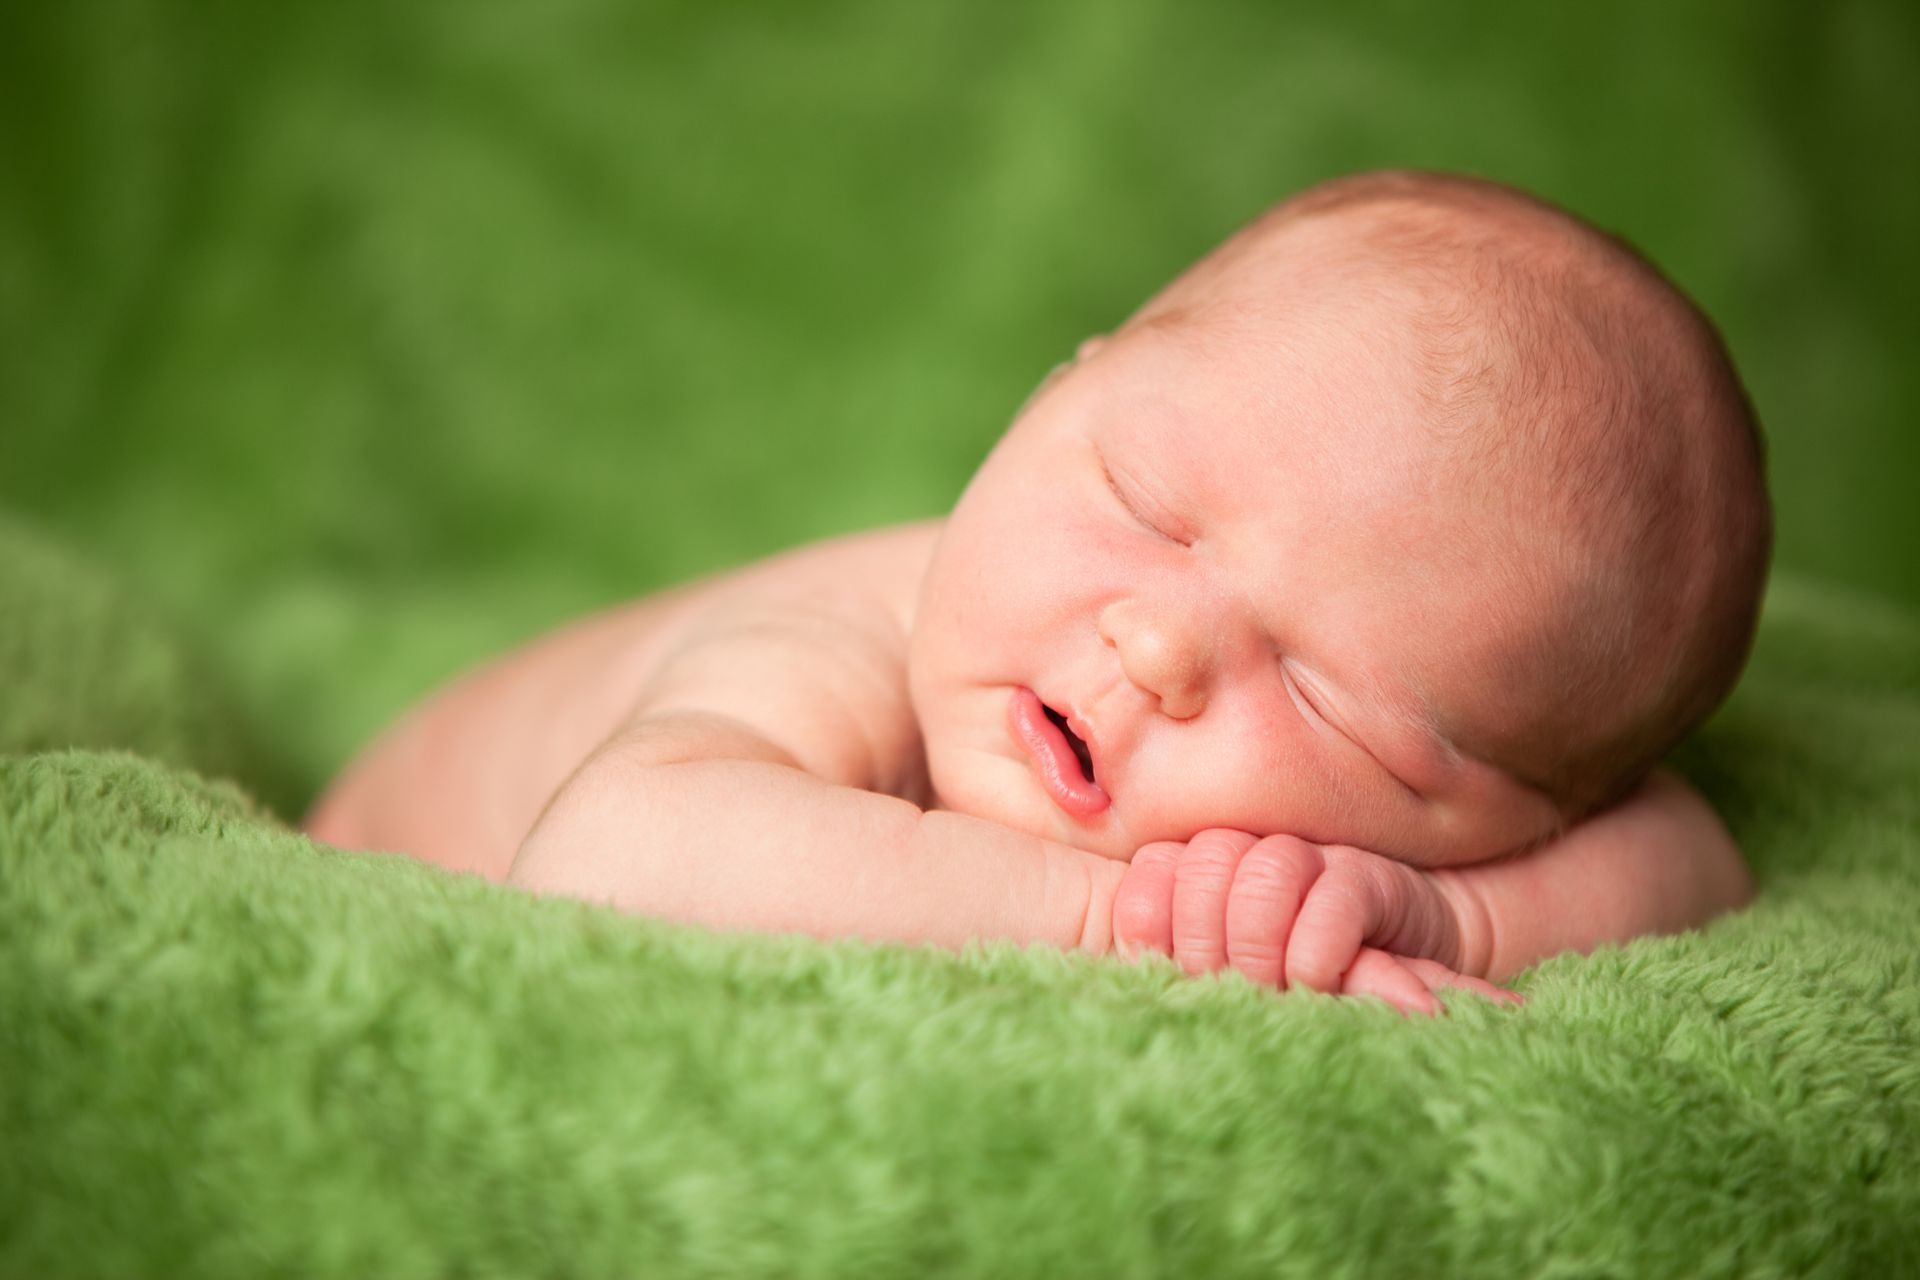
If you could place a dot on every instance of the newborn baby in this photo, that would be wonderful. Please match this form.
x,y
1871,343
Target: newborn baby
x,y
1326,621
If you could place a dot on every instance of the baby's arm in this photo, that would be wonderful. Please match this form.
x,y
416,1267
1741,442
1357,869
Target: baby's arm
x,y
1658,862
756,784
701,818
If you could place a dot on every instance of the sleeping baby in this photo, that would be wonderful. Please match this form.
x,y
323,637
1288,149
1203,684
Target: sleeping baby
x,y
1326,621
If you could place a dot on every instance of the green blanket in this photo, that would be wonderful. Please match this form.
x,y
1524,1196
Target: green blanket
x,y
228,1051
343,344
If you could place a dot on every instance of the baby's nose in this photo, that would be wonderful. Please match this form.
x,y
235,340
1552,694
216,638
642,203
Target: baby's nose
x,y
1168,652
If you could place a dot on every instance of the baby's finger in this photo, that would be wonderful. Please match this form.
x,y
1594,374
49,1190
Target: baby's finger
x,y
1436,975
1201,881
1143,904
1333,923
1268,887
1375,973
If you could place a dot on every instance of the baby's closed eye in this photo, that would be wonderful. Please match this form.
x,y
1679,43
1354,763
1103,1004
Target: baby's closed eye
x,y
1154,516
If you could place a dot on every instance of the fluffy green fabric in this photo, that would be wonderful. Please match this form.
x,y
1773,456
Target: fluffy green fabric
x,y
228,1051
343,343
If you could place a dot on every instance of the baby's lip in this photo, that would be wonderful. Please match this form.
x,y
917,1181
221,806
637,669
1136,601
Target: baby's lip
x,y
1081,731
1053,758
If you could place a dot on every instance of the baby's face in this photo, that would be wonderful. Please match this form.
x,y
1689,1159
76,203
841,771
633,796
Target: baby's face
x,y
1225,559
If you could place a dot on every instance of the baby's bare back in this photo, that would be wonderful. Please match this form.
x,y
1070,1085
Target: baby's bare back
x,y
462,776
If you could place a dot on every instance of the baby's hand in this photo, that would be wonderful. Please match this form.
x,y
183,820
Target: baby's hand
x,y
1289,913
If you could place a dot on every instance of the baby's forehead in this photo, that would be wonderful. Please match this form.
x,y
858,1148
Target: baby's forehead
x,y
1269,450
1469,335
1409,355
1238,389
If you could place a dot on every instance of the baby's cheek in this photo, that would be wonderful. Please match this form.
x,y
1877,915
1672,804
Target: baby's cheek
x,y
1253,776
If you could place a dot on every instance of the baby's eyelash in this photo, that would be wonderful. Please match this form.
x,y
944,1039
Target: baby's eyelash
x,y
1113,487
1106,473
1304,701
1297,692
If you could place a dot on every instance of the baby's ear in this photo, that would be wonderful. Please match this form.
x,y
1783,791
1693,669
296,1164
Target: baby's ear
x,y
1090,346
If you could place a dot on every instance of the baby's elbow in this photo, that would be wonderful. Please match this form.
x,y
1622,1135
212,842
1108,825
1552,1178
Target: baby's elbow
x,y
557,854
1724,881
1729,883
1737,888
333,821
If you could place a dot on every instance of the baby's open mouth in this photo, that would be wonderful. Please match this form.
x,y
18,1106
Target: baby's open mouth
x,y
1080,751
1060,758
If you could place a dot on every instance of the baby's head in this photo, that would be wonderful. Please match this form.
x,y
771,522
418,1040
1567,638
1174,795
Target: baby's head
x,y
1419,516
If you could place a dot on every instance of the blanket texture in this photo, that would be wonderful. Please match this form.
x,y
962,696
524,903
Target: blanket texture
x,y
228,1051
345,343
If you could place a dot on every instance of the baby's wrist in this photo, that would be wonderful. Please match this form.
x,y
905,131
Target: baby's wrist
x,y
1472,923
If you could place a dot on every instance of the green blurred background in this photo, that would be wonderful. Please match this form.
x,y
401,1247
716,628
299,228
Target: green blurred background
x,y
368,339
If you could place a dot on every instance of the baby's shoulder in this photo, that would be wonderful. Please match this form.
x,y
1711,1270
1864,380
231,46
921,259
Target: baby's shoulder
x,y
808,648
808,645
867,582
